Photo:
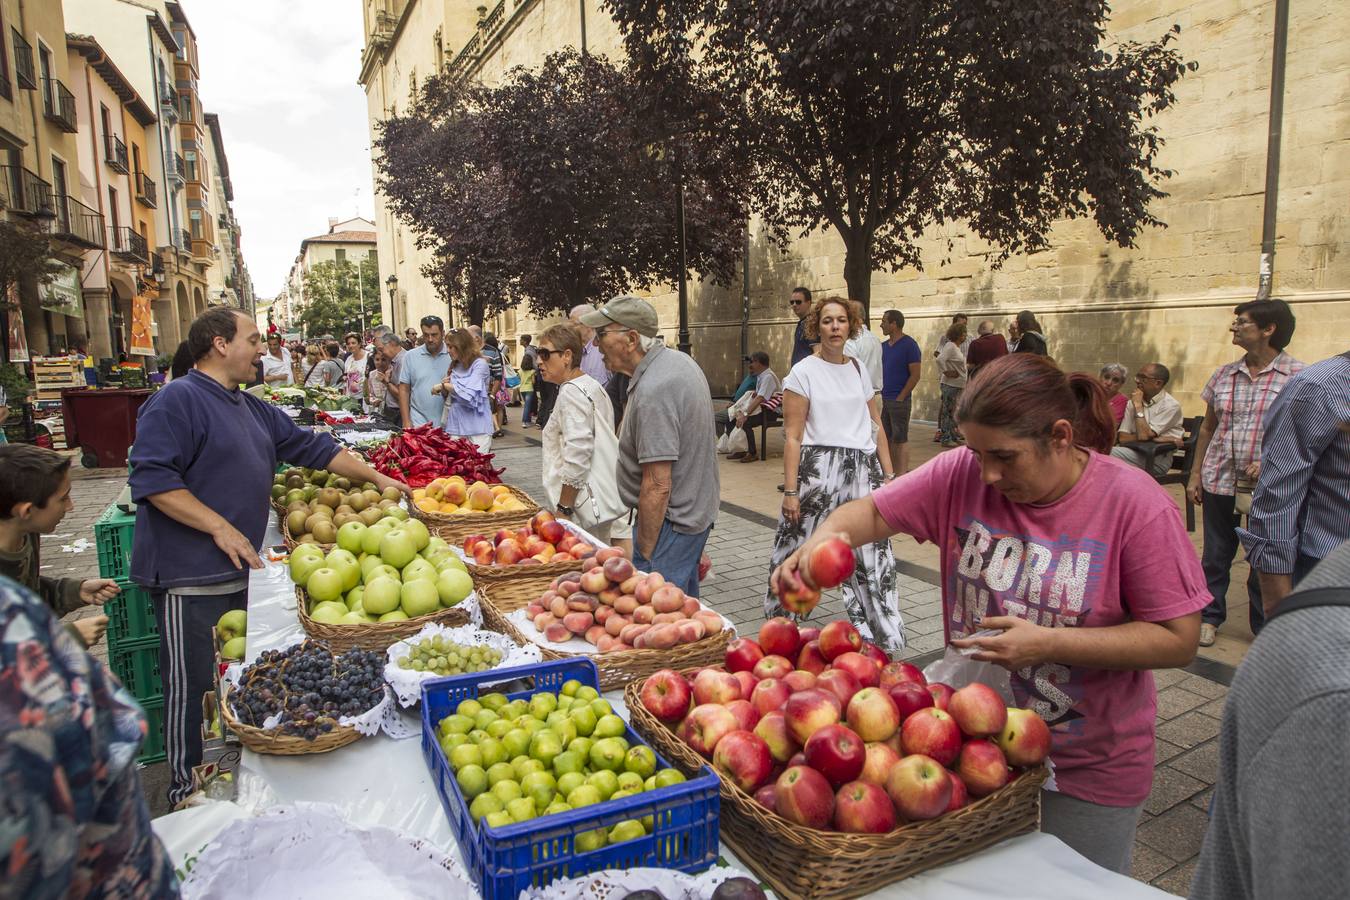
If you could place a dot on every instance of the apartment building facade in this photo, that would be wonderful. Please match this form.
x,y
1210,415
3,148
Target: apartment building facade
x,y
346,240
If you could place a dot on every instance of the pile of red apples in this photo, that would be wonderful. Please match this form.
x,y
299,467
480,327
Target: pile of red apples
x,y
828,733
616,608
542,540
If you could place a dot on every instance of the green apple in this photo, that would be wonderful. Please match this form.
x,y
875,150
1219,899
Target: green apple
x,y
485,803
506,791
346,563
641,761
591,840
449,561
586,795
627,830
453,585
381,595
570,782
435,545
325,584
354,618
349,536
608,754
328,614
397,548
397,615
419,568
303,566
499,819
472,781
667,777
355,597
356,607
232,625
370,541
381,571
419,598
605,781
417,530
522,809
369,561
233,648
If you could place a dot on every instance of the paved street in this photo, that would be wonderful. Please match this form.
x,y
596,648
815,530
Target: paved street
x,y
1190,702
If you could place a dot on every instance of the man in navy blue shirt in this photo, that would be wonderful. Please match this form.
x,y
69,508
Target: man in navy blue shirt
x,y
901,360
202,468
801,305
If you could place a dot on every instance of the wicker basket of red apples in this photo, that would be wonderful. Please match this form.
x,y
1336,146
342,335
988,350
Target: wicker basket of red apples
x,y
637,622
843,771
541,546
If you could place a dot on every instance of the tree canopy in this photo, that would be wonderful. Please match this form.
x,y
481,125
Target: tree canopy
x,y
554,188
882,118
25,255
333,295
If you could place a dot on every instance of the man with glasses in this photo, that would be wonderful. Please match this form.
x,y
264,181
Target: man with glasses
x,y
1152,415
424,367
667,446
801,305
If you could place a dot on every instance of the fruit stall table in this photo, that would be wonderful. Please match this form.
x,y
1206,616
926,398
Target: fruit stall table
x,y
382,781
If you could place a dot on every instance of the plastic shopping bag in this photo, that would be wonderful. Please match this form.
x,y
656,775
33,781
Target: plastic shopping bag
x,y
737,442
958,668
722,443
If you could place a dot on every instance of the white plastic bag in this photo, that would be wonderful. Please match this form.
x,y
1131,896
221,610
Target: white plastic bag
x,y
737,441
722,443
958,668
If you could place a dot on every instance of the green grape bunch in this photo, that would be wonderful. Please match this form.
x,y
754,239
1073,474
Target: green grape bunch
x,y
440,656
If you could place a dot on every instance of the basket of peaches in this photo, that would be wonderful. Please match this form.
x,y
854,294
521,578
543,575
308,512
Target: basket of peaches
x,y
457,508
535,551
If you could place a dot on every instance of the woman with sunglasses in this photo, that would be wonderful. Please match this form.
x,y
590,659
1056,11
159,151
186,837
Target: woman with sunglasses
x,y
580,446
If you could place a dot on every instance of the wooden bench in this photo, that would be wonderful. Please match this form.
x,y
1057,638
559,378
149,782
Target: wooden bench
x,y
1183,460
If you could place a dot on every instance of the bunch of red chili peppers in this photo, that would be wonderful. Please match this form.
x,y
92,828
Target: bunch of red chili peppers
x,y
420,455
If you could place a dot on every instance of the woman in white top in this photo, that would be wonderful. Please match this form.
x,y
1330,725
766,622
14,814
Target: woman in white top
x,y
581,450
951,362
831,415
354,369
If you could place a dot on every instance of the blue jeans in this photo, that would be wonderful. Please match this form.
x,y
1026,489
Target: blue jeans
x,y
526,406
1220,522
676,556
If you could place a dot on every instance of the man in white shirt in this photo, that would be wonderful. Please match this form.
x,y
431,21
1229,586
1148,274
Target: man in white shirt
x,y
765,400
1152,415
865,347
276,363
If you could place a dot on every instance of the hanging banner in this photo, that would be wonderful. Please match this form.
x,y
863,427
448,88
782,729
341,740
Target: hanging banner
x,y
62,294
18,340
142,327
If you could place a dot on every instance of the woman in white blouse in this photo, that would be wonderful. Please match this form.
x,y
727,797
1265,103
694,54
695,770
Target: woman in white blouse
x,y
951,363
831,415
580,446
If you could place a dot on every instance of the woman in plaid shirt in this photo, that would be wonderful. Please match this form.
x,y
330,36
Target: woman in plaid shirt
x,y
1229,447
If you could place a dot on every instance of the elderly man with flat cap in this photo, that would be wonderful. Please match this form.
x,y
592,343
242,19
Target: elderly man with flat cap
x,y
667,444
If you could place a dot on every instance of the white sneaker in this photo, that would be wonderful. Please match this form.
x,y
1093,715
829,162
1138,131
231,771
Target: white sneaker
x,y
1207,634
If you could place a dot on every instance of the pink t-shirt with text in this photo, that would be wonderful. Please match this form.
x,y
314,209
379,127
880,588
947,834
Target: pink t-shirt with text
x,y
1111,550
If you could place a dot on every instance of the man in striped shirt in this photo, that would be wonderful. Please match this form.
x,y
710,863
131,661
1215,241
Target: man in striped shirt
x,y
1299,510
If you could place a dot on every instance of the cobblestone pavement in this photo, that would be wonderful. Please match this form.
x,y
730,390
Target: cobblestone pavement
x,y
1190,701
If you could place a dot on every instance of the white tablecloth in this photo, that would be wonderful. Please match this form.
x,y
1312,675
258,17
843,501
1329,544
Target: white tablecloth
x,y
380,781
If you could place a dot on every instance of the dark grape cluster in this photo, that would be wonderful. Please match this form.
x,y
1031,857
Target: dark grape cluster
x,y
310,688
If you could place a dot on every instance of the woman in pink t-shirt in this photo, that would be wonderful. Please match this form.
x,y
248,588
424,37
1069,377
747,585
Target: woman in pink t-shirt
x,y
1077,559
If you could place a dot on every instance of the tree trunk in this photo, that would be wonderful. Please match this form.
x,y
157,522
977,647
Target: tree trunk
x,y
858,271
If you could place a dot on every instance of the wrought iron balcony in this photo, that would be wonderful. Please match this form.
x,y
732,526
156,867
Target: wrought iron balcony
x,y
146,191
6,88
156,263
128,244
58,105
168,100
184,239
24,73
78,224
115,152
23,192
177,169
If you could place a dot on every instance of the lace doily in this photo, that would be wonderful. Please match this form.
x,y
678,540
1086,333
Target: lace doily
x,y
407,683
615,884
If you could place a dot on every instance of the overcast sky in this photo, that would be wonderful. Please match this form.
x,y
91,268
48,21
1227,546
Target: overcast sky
x,y
283,78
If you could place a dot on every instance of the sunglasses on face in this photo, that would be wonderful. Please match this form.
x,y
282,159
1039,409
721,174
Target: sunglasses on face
x,y
545,353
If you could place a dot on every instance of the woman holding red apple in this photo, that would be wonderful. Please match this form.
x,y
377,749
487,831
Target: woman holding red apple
x,y
1077,560
831,414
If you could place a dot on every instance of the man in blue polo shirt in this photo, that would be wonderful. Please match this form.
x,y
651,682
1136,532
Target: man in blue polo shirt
x,y
202,469
901,361
424,367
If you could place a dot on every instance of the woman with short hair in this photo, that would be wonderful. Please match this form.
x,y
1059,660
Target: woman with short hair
x,y
831,415
1113,377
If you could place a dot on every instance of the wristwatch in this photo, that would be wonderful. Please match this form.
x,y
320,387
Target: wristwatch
x,y
565,510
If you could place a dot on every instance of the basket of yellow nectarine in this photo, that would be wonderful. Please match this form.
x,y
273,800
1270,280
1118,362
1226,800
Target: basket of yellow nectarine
x,y
458,507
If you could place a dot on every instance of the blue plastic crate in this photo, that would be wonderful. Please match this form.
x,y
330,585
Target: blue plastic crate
x,y
131,615
504,861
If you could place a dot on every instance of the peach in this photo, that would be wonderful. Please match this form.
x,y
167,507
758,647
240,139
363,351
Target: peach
x,y
691,606
644,615
607,553
712,622
626,604
594,633
543,620
603,613
557,633
668,599
616,624
558,606
662,637
582,602
690,631
578,622
632,632
609,596
594,581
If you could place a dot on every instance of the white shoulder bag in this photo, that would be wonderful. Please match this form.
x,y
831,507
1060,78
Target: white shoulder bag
x,y
598,502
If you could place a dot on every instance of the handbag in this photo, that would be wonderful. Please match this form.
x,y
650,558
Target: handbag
x,y
509,375
597,504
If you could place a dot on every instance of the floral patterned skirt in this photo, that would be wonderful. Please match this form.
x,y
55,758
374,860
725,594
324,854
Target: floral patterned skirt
x,y
829,477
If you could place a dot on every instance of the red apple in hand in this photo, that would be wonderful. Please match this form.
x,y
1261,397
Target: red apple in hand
x,y
860,667
810,659
831,563
899,672
839,637
872,714
809,711
909,697
795,595
712,686
773,728
780,637
978,710
880,759
742,654
982,767
1025,738
942,694
705,726
863,808
745,758
804,796
665,694
931,732
770,694
919,787
840,683
837,753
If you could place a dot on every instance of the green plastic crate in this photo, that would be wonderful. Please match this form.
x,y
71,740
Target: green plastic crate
x,y
131,615
112,536
136,665
152,751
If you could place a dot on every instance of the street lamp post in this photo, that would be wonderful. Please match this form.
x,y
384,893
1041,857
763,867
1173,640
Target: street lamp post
x,y
361,293
392,283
